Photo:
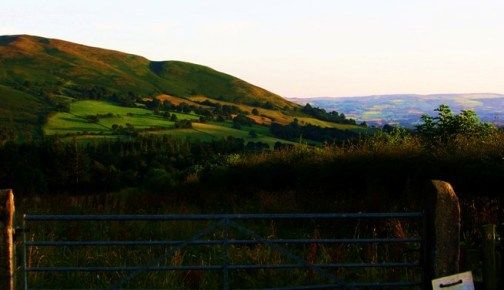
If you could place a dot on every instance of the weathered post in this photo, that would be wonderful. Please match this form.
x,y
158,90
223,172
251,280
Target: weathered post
x,y
489,257
442,231
7,260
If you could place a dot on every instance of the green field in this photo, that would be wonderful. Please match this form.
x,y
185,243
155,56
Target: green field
x,y
214,131
75,123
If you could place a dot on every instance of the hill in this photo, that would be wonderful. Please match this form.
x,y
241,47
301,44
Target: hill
x,y
60,66
38,75
407,109
21,113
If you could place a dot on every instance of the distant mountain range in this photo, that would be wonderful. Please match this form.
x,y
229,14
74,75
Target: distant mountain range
x,y
406,110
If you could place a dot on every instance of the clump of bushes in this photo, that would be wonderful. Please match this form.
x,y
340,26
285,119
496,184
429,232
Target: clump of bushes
x,y
183,124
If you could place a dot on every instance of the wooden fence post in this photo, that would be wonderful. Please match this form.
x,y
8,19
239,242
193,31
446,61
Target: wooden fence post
x,y
442,241
7,259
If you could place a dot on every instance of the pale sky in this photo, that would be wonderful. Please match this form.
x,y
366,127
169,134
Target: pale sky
x,y
294,48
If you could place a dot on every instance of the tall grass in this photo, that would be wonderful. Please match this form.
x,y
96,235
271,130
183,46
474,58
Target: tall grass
x,y
386,173
260,254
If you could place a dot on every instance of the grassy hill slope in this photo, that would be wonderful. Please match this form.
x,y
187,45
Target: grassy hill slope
x,y
60,67
37,74
20,112
41,76
187,80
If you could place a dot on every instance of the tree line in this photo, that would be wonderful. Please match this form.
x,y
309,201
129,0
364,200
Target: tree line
x,y
294,131
53,165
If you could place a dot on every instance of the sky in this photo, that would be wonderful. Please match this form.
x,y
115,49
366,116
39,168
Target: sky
x,y
308,48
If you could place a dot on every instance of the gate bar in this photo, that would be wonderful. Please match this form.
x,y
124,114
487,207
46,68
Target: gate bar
x,y
222,267
192,217
218,242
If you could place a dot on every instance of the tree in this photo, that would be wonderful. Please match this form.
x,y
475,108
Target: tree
x,y
158,180
236,125
268,105
255,111
446,126
252,134
183,124
243,120
387,128
155,104
92,118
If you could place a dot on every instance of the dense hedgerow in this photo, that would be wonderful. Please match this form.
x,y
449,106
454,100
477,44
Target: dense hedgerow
x,y
474,165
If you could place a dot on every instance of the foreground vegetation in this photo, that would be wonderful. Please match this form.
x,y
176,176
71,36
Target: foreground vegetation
x,y
161,174
119,133
386,173
212,255
455,148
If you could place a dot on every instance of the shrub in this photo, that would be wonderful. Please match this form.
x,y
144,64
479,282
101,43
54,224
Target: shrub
x,y
158,180
183,124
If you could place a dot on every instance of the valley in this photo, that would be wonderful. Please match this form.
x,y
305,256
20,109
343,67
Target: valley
x,y
51,87
406,109
74,124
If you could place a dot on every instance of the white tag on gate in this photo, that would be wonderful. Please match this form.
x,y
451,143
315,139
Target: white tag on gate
x,y
461,281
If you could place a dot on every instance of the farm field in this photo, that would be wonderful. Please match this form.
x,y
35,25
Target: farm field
x,y
267,116
213,131
75,120
75,123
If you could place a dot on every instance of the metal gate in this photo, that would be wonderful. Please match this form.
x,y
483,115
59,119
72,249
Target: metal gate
x,y
223,251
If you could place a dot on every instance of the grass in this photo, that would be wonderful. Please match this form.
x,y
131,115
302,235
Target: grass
x,y
379,175
187,79
20,112
258,254
215,131
74,122
56,69
177,101
221,130
266,116
322,123
74,66
78,71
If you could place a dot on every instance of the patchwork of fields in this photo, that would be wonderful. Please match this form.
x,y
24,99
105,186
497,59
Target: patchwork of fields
x,y
267,116
75,124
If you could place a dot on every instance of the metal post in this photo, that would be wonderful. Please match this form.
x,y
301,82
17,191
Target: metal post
x,y
25,273
489,258
425,253
225,266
